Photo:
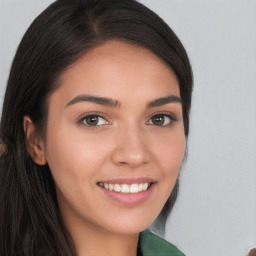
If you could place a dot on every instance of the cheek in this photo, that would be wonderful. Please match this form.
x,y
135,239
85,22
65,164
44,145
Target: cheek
x,y
69,154
169,154
74,161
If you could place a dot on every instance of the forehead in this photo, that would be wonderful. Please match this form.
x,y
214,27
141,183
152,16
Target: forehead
x,y
114,67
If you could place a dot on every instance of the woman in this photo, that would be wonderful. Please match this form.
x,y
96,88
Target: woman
x,y
94,127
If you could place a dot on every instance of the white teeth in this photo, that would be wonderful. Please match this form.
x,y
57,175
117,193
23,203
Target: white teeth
x,y
117,188
134,188
145,186
110,187
124,188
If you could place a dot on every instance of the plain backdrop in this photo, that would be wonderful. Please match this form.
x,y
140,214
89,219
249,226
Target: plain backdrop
x,y
216,210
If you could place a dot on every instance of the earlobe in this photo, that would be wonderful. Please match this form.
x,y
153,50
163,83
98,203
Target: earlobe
x,y
34,144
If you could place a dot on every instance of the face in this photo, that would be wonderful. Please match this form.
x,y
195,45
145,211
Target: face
x,y
115,138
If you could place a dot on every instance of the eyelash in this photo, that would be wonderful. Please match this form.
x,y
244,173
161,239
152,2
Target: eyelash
x,y
93,127
172,119
149,122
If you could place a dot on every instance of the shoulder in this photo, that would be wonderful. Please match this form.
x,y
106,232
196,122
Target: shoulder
x,y
153,245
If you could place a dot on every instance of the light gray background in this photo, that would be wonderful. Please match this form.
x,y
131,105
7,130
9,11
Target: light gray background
x,y
216,210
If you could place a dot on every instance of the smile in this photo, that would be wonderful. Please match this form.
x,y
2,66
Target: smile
x,y
125,188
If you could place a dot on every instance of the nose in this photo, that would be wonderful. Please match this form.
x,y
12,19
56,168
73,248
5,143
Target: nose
x,y
131,148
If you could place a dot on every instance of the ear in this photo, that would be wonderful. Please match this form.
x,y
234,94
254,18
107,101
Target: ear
x,y
35,145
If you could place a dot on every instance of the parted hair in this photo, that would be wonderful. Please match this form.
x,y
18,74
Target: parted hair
x,y
30,221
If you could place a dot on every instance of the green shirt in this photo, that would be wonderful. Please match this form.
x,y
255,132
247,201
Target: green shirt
x,y
152,245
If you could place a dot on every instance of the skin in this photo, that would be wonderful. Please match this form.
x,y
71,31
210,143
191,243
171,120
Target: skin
x,y
125,143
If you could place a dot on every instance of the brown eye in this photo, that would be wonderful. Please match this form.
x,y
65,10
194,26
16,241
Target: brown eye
x,y
158,119
94,120
161,120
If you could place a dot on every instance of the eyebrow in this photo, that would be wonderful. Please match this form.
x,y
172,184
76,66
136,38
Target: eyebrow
x,y
95,99
116,104
164,100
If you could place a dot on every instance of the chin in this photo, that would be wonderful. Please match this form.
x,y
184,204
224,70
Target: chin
x,y
130,224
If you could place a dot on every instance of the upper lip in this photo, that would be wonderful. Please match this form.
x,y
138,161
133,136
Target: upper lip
x,y
128,181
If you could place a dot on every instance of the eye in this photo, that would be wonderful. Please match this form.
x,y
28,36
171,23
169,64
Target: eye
x,y
162,120
93,120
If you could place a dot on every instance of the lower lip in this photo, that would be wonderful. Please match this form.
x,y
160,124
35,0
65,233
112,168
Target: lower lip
x,y
130,198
